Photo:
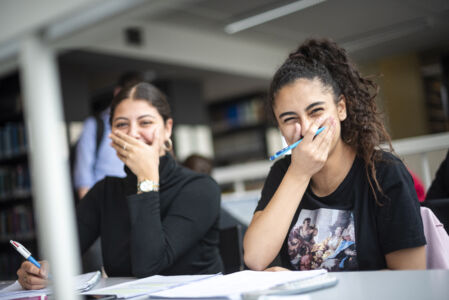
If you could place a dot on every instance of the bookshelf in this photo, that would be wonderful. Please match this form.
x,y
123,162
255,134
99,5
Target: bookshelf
x,y
435,76
239,127
16,208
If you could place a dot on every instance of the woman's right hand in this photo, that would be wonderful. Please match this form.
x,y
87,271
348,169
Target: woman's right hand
x,y
311,154
32,277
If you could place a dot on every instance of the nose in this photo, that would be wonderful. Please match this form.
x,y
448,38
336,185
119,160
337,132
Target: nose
x,y
305,124
133,131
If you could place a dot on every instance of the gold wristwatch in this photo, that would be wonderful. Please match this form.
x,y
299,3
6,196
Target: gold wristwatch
x,y
146,185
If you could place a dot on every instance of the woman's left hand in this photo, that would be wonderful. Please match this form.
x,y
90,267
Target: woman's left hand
x,y
276,269
141,158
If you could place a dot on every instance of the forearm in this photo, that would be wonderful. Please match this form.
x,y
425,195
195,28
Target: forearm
x,y
88,217
268,229
147,239
157,242
407,259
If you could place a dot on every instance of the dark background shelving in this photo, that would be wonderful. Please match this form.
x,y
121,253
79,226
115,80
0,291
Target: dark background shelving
x,y
239,127
16,207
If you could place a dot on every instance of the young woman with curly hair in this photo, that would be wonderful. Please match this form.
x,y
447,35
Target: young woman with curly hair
x,y
339,178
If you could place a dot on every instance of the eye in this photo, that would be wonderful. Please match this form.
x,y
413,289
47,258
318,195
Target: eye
x,y
286,120
121,125
316,110
146,123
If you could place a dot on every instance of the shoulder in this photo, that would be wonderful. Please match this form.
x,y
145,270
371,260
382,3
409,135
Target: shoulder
x,y
389,166
107,183
392,174
196,179
89,127
90,122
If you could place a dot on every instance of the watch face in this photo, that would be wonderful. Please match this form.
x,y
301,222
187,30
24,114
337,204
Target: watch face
x,y
146,186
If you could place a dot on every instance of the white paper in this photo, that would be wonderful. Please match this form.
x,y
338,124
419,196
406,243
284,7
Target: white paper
x,y
147,285
286,297
233,285
15,290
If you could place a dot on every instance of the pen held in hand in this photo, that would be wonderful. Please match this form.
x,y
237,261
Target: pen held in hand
x,y
292,146
26,254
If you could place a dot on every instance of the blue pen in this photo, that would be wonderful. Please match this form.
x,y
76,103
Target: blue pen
x,y
292,146
25,253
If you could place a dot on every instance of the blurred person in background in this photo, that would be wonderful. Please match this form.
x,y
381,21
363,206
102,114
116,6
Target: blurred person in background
x,y
94,157
440,186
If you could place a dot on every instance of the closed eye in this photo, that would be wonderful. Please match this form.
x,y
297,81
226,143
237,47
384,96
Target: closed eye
x,y
316,110
121,125
146,123
289,119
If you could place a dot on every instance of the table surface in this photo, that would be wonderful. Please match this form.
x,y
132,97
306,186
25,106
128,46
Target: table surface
x,y
371,285
366,285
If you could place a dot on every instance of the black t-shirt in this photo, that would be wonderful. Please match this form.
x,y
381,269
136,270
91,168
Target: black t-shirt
x,y
347,230
170,232
440,185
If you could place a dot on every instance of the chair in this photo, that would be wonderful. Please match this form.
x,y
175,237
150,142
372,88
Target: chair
x,y
437,247
92,259
440,207
231,249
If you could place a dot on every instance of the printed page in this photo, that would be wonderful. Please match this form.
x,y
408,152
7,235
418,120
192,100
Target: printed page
x,y
83,283
147,285
233,285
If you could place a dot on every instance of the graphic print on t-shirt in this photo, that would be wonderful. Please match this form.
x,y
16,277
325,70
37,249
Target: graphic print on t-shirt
x,y
323,239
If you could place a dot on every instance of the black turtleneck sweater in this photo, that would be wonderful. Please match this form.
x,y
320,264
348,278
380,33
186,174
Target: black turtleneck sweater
x,y
170,232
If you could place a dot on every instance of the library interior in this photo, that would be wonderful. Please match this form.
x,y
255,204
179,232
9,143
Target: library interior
x,y
214,60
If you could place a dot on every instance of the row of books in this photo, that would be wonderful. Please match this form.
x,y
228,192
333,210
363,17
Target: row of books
x,y
13,140
17,223
239,114
14,182
245,145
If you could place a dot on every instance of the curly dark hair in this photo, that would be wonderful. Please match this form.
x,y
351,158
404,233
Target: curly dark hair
x,y
363,128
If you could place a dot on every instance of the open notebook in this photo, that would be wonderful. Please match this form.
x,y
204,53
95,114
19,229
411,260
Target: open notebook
x,y
84,283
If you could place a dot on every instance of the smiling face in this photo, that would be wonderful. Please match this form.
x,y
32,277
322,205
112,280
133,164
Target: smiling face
x,y
139,119
303,102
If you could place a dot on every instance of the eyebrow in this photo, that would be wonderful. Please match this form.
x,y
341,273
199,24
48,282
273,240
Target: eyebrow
x,y
120,118
138,118
287,113
144,116
314,104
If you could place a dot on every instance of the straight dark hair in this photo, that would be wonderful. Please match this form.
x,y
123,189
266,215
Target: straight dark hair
x,y
143,91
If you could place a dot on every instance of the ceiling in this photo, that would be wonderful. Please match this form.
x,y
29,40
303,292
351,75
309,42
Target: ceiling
x,y
186,38
369,29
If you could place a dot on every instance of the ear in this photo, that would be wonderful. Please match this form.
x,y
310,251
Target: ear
x,y
168,128
341,108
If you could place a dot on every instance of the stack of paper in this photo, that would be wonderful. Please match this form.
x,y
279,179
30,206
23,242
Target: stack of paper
x,y
84,282
147,286
233,285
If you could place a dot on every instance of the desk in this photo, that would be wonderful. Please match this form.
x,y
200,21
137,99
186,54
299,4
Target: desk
x,y
386,285
373,285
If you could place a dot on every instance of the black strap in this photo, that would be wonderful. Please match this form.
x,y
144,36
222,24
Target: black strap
x,y
100,132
